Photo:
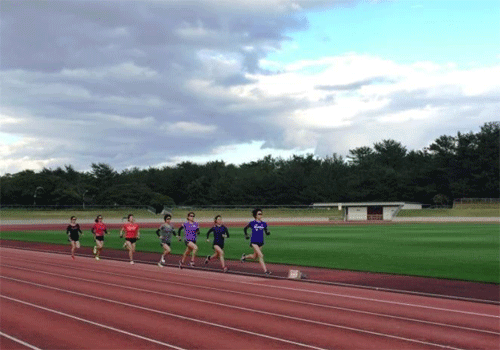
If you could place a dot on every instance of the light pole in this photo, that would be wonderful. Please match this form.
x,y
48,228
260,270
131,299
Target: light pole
x,y
34,194
83,199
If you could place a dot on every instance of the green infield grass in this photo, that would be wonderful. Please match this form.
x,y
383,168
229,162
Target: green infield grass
x,y
455,251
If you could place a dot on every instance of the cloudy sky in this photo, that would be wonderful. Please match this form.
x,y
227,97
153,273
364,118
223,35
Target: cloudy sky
x,y
154,83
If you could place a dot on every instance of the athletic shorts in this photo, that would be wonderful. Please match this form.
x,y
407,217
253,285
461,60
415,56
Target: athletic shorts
x,y
186,242
162,242
220,244
74,238
131,240
99,238
260,244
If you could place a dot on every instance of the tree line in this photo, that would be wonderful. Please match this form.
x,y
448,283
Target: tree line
x,y
465,165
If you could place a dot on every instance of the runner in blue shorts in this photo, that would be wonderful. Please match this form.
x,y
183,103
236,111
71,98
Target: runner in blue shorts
x,y
220,233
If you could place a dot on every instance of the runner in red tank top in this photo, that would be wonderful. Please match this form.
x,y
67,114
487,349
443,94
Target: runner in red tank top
x,y
98,230
132,234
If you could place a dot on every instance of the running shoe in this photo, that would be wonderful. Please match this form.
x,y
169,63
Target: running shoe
x,y
207,259
225,269
97,258
159,264
131,262
72,257
162,260
267,272
180,264
94,250
191,263
243,258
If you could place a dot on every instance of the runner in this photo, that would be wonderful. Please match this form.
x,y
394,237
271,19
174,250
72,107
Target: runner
x,y
220,232
191,230
98,230
257,240
165,233
132,234
73,231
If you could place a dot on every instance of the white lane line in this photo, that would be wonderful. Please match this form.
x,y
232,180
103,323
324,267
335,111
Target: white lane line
x,y
158,312
262,296
332,284
313,292
19,341
357,330
376,300
92,322
427,295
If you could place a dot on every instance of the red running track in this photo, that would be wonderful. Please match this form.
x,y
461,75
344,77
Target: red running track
x,y
49,301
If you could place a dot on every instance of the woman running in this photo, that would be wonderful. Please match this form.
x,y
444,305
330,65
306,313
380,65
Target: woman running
x,y
73,231
220,232
258,228
191,229
165,233
132,234
98,230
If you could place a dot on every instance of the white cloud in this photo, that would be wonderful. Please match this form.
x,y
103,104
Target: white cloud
x,y
14,157
7,120
355,90
424,114
122,71
192,129
195,32
237,154
134,123
123,79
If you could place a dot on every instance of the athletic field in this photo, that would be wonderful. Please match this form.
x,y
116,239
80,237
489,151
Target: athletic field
x,y
463,251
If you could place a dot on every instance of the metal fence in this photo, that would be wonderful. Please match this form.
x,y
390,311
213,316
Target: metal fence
x,y
476,203
207,212
476,200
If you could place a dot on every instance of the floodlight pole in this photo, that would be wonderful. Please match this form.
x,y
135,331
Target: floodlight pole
x,y
83,199
34,194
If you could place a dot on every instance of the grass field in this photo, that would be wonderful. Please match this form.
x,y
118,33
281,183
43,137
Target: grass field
x,y
491,210
455,251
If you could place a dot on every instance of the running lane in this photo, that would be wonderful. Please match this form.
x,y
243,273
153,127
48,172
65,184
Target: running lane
x,y
199,309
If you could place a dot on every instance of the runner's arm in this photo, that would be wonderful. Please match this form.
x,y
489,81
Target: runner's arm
x,y
180,232
209,231
245,229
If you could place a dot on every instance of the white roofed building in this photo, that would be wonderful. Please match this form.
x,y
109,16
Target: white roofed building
x,y
365,211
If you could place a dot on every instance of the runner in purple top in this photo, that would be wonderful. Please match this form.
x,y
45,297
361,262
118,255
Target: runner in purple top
x,y
191,229
258,227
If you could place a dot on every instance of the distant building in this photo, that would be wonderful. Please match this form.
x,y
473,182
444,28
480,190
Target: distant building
x,y
365,211
412,206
